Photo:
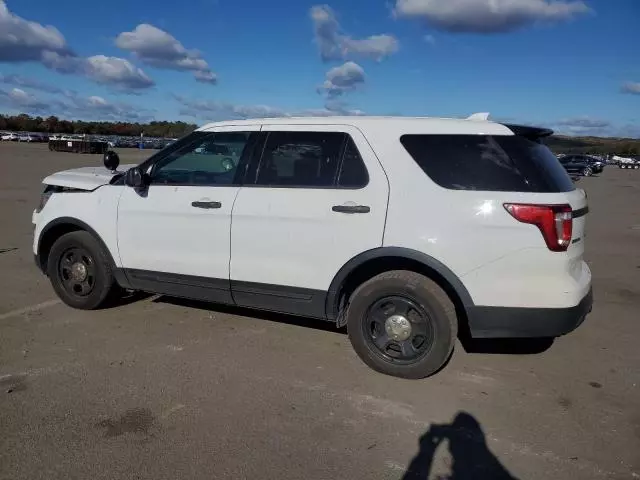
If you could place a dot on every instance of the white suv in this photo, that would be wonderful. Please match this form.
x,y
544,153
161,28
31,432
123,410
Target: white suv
x,y
403,229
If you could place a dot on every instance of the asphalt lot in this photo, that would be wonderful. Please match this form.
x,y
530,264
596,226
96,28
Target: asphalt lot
x,y
163,389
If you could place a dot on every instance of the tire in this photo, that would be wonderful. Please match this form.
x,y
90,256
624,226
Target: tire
x,y
375,305
82,248
587,172
636,167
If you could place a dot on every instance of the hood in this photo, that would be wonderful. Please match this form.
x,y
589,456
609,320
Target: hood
x,y
85,178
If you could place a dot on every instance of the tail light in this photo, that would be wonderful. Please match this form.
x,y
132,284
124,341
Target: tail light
x,y
555,222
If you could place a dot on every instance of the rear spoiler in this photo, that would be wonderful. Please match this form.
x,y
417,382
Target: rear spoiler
x,y
530,133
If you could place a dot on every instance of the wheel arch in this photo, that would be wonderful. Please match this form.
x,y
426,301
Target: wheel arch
x,y
372,262
63,225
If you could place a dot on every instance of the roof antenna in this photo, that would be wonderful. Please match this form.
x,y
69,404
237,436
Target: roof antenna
x,y
479,116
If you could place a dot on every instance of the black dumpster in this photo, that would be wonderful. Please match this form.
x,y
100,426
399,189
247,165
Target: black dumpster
x,y
78,146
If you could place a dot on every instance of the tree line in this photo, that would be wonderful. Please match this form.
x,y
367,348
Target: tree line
x,y
594,145
52,124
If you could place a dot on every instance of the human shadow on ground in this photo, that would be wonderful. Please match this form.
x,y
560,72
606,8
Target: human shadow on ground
x,y
471,457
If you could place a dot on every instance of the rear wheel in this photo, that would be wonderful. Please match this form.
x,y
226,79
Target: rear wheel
x,y
587,172
80,271
402,324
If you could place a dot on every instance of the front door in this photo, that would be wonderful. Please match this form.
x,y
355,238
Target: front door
x,y
318,199
173,236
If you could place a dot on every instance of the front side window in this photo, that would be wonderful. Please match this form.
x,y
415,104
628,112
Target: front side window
x,y
300,159
203,158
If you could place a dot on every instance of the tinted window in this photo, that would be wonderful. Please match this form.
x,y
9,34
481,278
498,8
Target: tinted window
x,y
294,159
208,158
353,172
490,163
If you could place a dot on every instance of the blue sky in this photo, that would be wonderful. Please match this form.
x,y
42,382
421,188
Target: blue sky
x,y
571,65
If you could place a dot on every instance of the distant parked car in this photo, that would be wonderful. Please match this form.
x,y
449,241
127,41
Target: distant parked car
x,y
25,137
596,164
9,137
581,165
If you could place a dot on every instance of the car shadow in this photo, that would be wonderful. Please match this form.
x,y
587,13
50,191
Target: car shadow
x,y
127,298
506,346
470,456
314,323
502,346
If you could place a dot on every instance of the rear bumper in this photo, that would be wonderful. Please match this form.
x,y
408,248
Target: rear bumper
x,y
510,322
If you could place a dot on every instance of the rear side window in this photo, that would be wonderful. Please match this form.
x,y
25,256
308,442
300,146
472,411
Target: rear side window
x,y
489,163
311,160
353,172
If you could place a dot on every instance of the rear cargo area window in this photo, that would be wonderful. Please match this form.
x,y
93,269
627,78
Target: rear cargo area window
x,y
488,163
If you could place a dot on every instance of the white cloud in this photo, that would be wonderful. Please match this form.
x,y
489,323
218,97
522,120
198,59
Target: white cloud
x,y
205,77
157,48
116,71
631,87
584,123
19,97
112,71
19,100
97,108
344,78
335,45
213,110
488,16
209,110
74,107
22,40
26,82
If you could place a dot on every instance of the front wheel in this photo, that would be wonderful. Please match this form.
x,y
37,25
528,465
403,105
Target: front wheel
x,y
587,172
403,324
80,271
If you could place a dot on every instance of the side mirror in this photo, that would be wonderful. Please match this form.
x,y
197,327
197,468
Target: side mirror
x,y
134,178
111,160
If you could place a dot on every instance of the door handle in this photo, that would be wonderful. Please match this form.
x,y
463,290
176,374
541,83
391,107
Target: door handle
x,y
206,205
351,208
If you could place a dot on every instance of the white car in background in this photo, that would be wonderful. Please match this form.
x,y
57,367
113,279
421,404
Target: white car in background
x,y
9,137
401,229
25,137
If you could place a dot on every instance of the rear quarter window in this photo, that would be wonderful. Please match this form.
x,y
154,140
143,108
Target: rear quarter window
x,y
488,163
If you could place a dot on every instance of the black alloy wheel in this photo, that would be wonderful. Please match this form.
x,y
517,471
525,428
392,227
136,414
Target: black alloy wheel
x,y
76,271
398,329
80,270
402,323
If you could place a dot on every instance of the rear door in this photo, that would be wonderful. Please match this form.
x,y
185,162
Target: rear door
x,y
315,198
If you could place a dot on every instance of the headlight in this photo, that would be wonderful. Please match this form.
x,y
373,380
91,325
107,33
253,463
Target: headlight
x,y
46,195
44,198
